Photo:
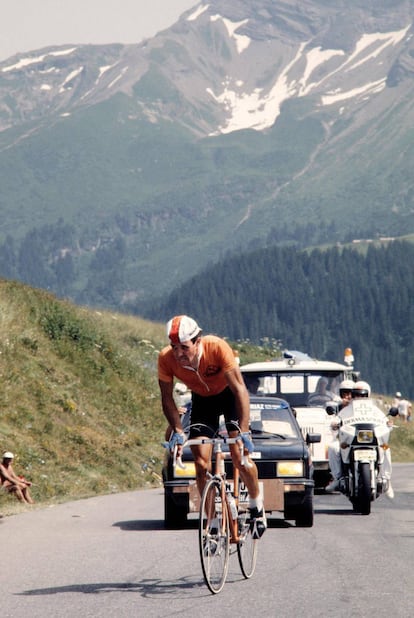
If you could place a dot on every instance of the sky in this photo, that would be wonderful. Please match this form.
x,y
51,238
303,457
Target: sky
x,y
27,25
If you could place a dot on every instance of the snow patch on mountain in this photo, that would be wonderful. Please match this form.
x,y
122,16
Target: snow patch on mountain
x,y
242,41
24,62
70,78
371,88
199,11
314,58
118,77
259,110
254,111
369,40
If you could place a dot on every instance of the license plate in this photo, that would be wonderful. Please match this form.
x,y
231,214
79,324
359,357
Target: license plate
x,y
368,455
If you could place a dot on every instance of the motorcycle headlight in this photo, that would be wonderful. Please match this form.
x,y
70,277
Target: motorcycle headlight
x,y
289,468
365,436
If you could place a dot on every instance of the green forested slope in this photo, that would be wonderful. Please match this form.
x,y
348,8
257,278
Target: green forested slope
x,y
319,302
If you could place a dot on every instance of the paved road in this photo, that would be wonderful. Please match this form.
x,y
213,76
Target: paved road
x,y
110,556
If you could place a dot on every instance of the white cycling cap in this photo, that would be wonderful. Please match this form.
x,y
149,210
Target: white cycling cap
x,y
182,328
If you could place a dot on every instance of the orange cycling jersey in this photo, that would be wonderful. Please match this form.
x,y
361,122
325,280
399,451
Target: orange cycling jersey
x,y
217,358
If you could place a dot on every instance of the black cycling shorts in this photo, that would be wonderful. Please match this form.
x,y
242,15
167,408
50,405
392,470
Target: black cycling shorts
x,y
206,411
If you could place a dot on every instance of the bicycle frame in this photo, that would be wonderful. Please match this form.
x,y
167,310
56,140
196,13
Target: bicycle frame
x,y
220,474
220,524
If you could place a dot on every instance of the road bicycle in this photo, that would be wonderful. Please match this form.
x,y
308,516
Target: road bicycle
x,y
224,518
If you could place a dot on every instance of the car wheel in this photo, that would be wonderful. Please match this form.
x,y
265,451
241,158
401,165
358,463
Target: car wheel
x,y
304,515
174,516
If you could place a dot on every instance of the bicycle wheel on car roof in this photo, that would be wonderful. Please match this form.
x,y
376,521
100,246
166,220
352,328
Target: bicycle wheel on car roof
x,y
214,535
247,545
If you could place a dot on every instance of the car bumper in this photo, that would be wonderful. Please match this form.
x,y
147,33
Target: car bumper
x,y
277,493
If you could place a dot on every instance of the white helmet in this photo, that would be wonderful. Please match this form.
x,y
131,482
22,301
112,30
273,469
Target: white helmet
x,y
346,385
361,389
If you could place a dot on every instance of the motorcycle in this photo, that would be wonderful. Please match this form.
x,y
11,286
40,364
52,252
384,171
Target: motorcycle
x,y
363,439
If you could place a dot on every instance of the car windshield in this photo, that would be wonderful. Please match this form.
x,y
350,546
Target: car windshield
x,y
272,419
299,388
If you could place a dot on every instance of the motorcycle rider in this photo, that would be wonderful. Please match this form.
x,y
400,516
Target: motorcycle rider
x,y
334,455
345,392
360,389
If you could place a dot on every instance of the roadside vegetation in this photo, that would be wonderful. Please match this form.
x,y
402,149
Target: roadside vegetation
x,y
79,402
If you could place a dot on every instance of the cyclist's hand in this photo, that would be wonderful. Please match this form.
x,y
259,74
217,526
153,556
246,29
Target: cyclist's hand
x,y
177,439
246,437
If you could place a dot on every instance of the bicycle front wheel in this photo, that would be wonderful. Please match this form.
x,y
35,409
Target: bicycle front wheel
x,y
214,535
247,545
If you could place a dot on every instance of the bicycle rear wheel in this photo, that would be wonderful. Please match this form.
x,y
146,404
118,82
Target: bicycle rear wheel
x,y
247,545
214,536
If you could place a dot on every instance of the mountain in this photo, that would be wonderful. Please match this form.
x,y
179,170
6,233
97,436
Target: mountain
x,y
126,168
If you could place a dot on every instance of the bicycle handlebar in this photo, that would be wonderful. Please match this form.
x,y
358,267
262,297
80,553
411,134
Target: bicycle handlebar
x,y
177,461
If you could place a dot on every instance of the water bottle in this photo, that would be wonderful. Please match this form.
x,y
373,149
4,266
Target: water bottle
x,y
221,465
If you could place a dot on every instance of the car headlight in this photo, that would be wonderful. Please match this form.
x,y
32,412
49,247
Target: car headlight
x,y
365,436
289,468
187,472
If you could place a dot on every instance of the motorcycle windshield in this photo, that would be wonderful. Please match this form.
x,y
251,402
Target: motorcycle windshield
x,y
362,411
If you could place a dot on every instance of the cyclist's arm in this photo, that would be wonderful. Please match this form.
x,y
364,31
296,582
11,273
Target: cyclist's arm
x,y
169,407
238,387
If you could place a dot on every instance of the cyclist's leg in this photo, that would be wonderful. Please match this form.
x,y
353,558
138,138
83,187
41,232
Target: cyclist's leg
x,y
204,423
202,461
249,476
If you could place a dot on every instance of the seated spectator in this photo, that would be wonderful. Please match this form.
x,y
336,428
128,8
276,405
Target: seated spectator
x,y
13,483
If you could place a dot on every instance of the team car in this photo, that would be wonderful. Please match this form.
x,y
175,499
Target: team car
x,y
281,454
309,385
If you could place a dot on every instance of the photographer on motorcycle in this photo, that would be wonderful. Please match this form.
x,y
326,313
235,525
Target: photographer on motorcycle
x,y
358,390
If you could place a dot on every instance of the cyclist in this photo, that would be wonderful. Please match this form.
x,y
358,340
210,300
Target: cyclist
x,y
208,367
